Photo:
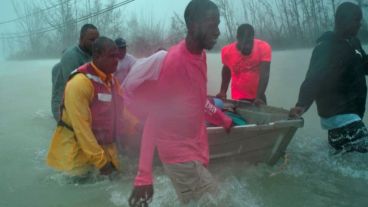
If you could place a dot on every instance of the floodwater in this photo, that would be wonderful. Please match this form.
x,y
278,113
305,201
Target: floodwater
x,y
310,175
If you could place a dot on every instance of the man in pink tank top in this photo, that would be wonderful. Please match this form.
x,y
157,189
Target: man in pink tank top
x,y
176,123
247,63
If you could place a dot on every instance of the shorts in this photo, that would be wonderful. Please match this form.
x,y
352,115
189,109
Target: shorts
x,y
191,180
349,138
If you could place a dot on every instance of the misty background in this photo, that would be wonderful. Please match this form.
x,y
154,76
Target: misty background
x,y
39,30
44,28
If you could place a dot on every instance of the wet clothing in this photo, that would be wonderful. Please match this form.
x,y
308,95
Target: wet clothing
x,y
140,82
339,121
191,180
55,98
336,77
336,81
124,66
72,58
176,125
106,106
245,70
75,150
352,137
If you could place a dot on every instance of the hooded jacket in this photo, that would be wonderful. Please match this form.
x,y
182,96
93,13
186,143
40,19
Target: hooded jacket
x,y
336,77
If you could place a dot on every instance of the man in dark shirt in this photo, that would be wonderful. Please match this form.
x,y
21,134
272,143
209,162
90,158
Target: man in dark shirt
x,y
72,58
336,81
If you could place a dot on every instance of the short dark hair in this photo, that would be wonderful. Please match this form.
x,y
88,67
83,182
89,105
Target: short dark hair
x,y
244,29
345,12
85,28
195,9
100,44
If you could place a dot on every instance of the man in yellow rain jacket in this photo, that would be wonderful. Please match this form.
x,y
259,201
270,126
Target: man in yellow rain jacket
x,y
93,117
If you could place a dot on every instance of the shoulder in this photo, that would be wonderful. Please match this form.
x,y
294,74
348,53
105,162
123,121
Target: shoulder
x,y
70,54
229,47
175,53
78,84
71,50
175,60
79,79
56,66
262,44
323,47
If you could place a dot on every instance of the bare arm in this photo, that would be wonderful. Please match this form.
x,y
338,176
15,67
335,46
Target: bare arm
x,y
226,77
263,81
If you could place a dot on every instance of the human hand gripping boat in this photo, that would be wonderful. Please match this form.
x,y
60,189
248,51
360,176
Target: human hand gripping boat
x,y
263,139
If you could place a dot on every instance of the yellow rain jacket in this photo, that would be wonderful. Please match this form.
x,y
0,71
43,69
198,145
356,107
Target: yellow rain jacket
x,y
77,154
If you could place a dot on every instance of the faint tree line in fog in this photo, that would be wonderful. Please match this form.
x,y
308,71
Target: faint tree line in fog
x,y
47,32
284,23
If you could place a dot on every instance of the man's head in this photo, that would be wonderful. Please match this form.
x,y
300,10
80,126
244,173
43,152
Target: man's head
x,y
88,35
202,19
245,38
348,19
105,54
121,44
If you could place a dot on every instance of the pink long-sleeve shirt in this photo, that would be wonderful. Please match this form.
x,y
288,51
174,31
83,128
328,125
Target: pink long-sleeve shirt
x,y
176,123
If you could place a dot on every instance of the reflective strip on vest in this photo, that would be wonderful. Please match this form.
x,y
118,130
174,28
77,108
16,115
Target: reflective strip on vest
x,y
94,78
104,97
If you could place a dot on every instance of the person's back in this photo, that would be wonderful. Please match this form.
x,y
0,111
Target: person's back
x,y
71,59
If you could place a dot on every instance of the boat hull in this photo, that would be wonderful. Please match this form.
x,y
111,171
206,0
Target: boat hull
x,y
264,140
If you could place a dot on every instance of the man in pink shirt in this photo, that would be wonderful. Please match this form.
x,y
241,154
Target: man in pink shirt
x,y
247,63
176,123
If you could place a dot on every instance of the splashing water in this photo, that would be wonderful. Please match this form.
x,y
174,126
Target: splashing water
x,y
309,175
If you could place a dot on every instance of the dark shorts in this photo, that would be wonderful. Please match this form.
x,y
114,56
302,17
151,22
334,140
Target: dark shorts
x,y
349,138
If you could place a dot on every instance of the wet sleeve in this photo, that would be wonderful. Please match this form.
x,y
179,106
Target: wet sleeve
x,y
57,91
316,74
78,95
365,64
68,63
215,116
365,60
130,121
144,175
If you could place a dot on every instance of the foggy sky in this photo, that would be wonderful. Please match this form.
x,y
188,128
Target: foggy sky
x,y
161,10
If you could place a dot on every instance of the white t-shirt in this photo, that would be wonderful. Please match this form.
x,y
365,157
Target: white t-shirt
x,y
144,69
124,67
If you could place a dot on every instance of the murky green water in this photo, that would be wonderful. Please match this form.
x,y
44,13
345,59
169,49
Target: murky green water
x,y
310,176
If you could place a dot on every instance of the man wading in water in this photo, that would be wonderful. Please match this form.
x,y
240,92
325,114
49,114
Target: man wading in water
x,y
177,126
336,81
